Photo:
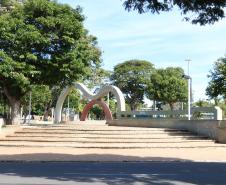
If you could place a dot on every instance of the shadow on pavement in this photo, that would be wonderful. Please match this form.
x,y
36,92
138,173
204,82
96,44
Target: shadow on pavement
x,y
159,171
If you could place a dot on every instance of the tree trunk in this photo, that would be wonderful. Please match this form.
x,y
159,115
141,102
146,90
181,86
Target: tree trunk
x,y
154,105
15,113
15,108
46,112
46,115
171,108
133,107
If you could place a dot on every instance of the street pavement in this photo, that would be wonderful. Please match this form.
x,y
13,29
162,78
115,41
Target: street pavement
x,y
112,173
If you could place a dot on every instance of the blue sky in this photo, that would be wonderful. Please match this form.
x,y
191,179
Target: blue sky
x,y
165,39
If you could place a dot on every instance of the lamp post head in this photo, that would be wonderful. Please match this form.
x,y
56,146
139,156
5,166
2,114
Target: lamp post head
x,y
186,77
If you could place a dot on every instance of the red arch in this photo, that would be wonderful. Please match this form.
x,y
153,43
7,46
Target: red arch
x,y
107,112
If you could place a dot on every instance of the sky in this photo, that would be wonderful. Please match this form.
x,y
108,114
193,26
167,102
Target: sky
x,y
165,39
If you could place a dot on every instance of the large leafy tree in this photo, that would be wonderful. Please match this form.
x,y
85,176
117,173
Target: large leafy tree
x,y
197,11
217,84
8,5
168,86
132,77
43,43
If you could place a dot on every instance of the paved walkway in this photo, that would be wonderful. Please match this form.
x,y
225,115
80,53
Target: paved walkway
x,y
99,142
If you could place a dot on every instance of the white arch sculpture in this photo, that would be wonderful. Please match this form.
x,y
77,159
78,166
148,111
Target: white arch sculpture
x,y
87,94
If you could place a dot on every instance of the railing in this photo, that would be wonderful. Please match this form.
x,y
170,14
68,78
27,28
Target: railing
x,y
204,113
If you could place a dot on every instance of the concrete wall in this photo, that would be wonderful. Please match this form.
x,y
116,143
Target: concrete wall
x,y
198,113
211,128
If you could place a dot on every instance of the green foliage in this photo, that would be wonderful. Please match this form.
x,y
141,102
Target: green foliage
x,y
40,97
113,106
7,5
203,103
44,43
201,12
132,78
3,104
168,86
75,101
217,84
97,113
222,105
44,98
219,103
98,78
4,3
13,75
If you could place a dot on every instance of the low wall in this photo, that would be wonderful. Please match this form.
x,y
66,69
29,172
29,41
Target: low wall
x,y
210,128
197,113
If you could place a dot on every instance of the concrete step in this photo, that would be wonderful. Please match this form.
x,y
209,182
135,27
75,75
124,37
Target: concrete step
x,y
106,145
101,127
35,132
91,137
105,140
96,129
103,136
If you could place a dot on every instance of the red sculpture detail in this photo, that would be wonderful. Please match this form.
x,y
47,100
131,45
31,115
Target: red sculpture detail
x,y
107,112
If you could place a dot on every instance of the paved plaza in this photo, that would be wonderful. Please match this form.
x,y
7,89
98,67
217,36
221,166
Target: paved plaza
x,y
94,153
95,141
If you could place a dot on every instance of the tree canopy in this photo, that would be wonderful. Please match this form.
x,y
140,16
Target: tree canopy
x,y
44,43
167,86
198,12
132,77
8,5
217,84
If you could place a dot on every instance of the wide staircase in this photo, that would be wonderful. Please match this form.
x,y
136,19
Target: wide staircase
x,y
101,136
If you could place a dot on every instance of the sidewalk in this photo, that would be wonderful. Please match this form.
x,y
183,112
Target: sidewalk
x,y
78,154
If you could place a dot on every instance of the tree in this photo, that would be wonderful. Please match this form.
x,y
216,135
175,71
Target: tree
x,y
75,101
43,43
200,12
203,103
132,77
168,86
217,84
8,5
42,100
41,95
3,104
98,78
97,113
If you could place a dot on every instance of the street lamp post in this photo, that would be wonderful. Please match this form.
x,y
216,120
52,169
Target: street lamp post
x,y
189,98
68,109
29,109
188,77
